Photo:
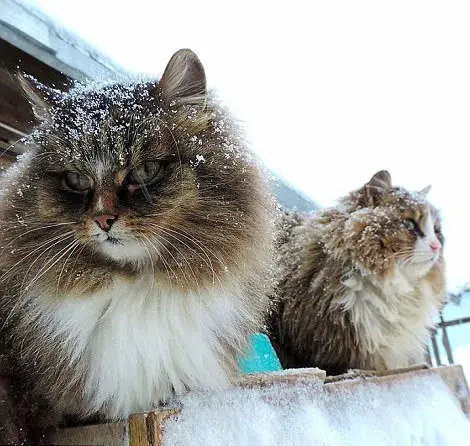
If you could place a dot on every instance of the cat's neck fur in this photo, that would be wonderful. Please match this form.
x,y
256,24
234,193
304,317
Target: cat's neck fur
x,y
127,347
391,315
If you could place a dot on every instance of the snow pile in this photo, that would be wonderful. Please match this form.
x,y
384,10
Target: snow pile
x,y
417,412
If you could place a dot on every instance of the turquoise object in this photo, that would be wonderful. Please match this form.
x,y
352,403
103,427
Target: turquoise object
x,y
260,356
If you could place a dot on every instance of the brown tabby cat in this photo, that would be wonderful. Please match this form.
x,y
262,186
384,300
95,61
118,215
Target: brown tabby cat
x,y
360,281
135,238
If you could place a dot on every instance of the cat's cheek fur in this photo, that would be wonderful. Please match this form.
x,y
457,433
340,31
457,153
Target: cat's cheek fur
x,y
141,342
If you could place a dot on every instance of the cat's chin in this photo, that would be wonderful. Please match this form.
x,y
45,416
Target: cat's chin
x,y
122,251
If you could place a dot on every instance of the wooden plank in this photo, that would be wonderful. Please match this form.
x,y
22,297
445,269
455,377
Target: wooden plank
x,y
148,429
453,376
155,425
293,376
99,434
360,373
138,432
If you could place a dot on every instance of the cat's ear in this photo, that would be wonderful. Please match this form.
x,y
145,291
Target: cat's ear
x,y
184,79
381,180
379,183
39,96
424,192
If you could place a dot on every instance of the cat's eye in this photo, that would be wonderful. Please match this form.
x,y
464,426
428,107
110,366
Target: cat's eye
x,y
410,224
76,182
145,173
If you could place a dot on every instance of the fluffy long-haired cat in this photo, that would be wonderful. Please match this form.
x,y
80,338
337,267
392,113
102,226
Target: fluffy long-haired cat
x,y
360,282
135,239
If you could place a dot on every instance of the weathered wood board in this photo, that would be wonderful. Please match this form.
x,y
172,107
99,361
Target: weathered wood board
x,y
147,429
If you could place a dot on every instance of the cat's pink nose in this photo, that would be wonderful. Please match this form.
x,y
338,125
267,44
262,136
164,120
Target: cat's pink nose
x,y
105,221
435,246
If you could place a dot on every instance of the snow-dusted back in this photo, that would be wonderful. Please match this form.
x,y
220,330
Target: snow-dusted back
x,y
418,412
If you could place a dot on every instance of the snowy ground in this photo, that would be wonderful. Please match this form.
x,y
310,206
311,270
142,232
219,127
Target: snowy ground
x,y
418,412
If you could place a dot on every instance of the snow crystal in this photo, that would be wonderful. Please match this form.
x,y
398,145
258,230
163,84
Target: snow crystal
x,y
20,220
417,412
199,159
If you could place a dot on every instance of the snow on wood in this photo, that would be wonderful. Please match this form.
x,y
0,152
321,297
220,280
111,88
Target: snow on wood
x,y
302,407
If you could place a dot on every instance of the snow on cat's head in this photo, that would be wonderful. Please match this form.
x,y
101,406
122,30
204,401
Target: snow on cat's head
x,y
391,227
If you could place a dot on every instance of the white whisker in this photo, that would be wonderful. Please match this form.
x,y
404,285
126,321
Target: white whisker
x,y
59,238
37,229
77,244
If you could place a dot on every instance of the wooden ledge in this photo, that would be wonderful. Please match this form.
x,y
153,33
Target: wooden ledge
x,y
147,429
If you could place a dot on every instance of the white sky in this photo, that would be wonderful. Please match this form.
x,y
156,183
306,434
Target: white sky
x,y
330,91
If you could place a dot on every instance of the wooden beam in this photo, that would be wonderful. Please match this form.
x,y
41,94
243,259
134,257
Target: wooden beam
x,y
148,429
138,433
99,434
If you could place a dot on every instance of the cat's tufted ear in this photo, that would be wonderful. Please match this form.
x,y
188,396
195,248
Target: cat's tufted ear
x,y
381,180
39,96
184,80
379,183
424,192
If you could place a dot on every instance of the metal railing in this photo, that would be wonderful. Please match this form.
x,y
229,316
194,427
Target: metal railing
x,y
434,353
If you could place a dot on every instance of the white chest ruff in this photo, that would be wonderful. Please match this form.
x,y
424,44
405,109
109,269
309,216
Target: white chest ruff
x,y
391,317
138,344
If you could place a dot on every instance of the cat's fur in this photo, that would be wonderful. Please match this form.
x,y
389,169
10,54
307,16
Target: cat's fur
x,y
358,287
110,323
